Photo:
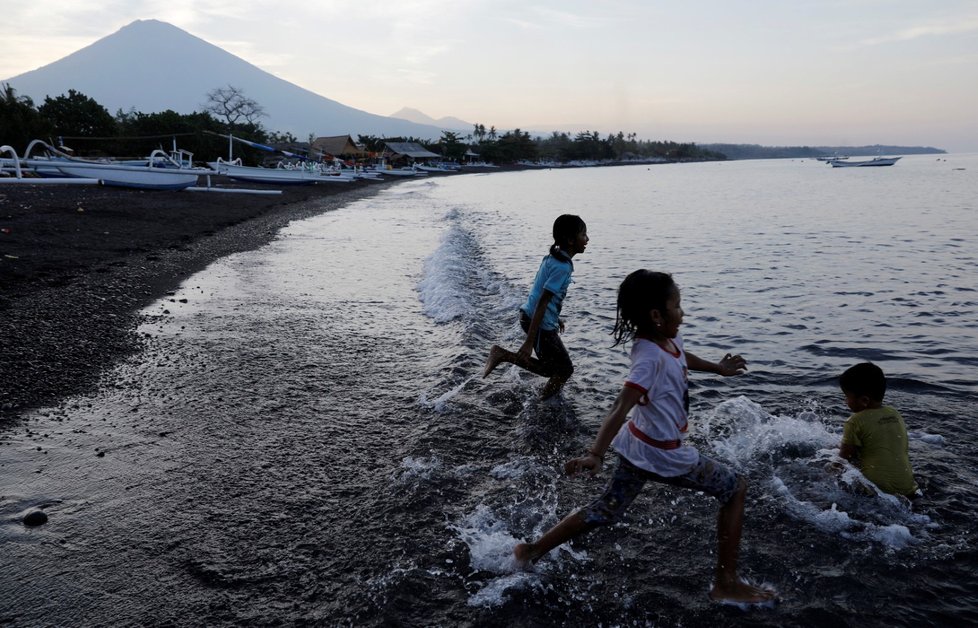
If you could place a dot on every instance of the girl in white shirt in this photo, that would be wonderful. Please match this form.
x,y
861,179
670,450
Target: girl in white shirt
x,y
651,443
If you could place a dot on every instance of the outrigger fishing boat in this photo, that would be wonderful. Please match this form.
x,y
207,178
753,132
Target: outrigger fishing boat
x,y
160,171
299,171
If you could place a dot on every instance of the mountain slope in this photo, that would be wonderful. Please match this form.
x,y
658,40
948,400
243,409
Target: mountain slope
x,y
152,66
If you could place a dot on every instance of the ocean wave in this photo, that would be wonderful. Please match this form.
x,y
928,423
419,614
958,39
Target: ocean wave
x,y
457,284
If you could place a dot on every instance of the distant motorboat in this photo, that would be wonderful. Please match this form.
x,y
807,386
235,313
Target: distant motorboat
x,y
876,161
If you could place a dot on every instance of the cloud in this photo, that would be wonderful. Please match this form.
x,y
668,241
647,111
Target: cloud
x,y
956,27
523,24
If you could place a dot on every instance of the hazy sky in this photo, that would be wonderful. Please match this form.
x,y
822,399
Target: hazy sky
x,y
774,72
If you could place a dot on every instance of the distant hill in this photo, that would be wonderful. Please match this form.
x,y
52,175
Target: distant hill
x,y
448,123
754,151
152,66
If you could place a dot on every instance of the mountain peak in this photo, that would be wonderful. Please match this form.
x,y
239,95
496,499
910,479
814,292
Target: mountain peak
x,y
448,122
414,115
149,23
151,66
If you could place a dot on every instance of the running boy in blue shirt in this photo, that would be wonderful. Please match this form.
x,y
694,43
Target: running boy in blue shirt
x,y
540,315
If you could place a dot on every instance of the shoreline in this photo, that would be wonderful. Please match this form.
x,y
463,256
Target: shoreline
x,y
78,263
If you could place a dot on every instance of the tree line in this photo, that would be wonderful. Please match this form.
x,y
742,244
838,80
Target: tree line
x,y
78,121
517,145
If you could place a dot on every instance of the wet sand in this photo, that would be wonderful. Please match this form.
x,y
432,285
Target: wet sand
x,y
78,263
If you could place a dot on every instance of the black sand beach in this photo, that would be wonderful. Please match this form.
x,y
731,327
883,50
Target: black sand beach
x,y
77,263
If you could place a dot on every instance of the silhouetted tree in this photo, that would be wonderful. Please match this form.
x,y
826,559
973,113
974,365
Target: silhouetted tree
x,y
77,115
20,122
479,132
451,145
140,133
371,143
230,104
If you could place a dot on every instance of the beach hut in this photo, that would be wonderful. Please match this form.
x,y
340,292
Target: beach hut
x,y
339,146
407,152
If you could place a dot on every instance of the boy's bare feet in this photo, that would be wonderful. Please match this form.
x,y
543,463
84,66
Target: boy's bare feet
x,y
551,388
496,354
524,556
741,592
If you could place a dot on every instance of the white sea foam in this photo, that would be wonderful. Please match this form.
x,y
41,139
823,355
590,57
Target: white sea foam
x,y
516,469
924,437
741,431
489,540
490,546
414,469
876,517
441,289
440,403
456,279
799,455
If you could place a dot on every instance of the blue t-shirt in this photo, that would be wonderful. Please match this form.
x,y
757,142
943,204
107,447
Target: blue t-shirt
x,y
554,276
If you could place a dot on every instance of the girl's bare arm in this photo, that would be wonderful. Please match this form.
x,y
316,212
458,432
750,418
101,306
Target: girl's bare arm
x,y
591,461
727,366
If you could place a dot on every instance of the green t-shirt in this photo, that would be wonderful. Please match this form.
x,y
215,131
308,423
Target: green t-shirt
x,y
881,436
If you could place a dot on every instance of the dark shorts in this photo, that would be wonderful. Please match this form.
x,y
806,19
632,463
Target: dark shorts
x,y
550,351
712,477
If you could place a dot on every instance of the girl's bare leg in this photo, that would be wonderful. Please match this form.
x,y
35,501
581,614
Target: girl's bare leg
x,y
728,587
568,527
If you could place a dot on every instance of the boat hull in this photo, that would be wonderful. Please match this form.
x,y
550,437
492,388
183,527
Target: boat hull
x,y
879,161
158,172
134,177
274,176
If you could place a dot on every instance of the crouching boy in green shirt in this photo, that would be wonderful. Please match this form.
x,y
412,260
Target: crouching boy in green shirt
x,y
875,434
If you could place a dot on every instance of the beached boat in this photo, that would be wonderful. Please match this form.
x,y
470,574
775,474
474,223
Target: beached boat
x,y
296,170
388,170
401,172
158,172
436,167
384,168
875,161
305,175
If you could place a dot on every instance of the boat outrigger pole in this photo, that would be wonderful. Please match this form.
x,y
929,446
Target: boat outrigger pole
x,y
270,149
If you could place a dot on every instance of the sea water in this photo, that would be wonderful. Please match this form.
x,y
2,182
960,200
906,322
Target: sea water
x,y
307,437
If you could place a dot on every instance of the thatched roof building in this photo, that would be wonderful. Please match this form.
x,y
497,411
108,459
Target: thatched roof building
x,y
398,150
338,145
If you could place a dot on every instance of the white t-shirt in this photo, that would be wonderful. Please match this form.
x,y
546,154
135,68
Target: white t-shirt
x,y
661,413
